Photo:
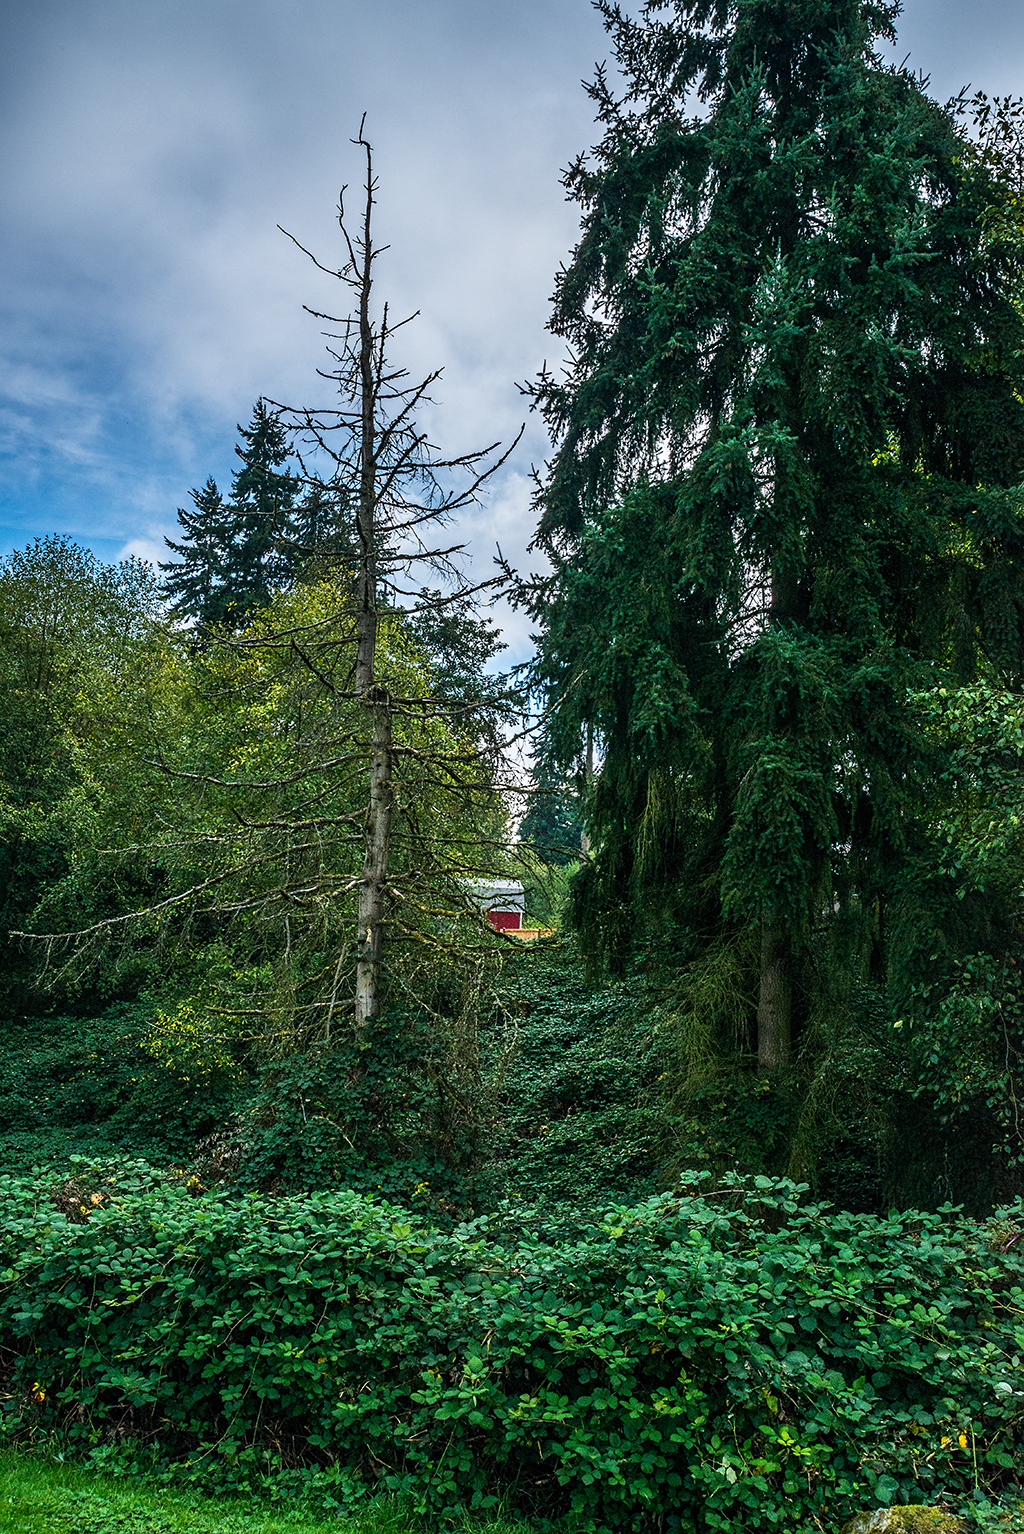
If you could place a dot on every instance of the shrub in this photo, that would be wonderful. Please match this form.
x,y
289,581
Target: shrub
x,y
697,1362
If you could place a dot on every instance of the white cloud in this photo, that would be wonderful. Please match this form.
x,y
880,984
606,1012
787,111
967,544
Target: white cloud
x,y
152,550
151,150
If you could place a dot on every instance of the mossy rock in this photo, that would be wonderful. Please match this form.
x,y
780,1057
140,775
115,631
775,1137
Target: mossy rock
x,y
904,1520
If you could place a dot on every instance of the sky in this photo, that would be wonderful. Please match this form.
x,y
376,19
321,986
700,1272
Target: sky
x,y
152,147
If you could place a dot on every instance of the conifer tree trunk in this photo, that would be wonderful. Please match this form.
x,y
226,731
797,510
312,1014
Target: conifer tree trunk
x,y
775,998
585,846
377,832
375,866
385,472
775,990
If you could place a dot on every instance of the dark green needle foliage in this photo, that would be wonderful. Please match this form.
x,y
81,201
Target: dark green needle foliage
x,y
198,585
236,553
784,492
552,824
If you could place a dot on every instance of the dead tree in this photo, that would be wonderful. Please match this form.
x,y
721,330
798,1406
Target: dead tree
x,y
382,465
364,455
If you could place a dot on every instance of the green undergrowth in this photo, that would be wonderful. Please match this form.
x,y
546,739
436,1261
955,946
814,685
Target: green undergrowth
x,y
577,1118
85,1085
41,1495
717,1358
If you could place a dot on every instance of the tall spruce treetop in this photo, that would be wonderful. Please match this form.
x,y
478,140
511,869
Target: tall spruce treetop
x,y
783,492
236,553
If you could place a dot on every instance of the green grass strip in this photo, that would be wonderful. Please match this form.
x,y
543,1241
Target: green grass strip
x,y
41,1496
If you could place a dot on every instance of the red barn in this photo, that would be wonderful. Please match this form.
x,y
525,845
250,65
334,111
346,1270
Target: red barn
x,y
503,902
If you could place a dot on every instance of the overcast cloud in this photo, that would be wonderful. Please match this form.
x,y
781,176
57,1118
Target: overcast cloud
x,y
151,147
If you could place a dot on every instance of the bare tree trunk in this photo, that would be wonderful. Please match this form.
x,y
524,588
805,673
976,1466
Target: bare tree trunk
x,y
375,868
377,833
774,1003
395,482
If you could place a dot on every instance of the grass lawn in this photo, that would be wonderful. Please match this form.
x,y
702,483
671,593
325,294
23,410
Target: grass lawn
x,y
41,1496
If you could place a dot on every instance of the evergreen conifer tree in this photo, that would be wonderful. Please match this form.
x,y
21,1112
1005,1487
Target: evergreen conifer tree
x,y
236,553
784,488
264,500
552,825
